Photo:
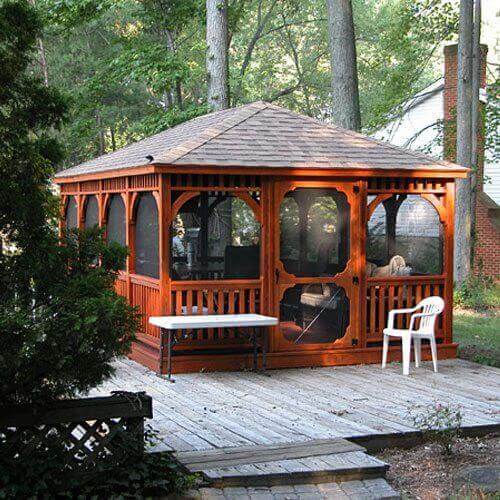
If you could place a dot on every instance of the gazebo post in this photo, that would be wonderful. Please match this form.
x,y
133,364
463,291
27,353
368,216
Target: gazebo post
x,y
392,205
164,240
449,230
129,237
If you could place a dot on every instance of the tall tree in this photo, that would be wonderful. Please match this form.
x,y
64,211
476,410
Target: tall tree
x,y
345,93
217,49
463,215
476,125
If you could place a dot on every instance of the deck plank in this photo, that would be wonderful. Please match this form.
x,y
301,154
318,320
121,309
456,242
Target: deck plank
x,y
203,411
230,457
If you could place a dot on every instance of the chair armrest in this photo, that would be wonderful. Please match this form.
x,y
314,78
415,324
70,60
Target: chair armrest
x,y
390,318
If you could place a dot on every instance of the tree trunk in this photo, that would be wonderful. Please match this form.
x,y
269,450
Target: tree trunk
x,y
217,64
102,143
476,175
464,135
177,91
113,139
345,93
42,60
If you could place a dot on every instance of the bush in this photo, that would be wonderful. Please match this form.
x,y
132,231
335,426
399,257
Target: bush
x,y
59,340
61,321
477,293
52,473
441,424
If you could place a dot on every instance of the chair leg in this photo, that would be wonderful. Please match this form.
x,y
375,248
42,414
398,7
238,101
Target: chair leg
x,y
384,350
406,341
432,341
417,345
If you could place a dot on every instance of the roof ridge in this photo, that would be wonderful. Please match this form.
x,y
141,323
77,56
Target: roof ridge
x,y
178,152
366,138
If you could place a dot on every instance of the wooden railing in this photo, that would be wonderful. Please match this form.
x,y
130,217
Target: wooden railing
x,y
385,294
210,297
145,295
121,285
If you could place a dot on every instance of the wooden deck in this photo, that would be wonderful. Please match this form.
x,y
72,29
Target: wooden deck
x,y
206,411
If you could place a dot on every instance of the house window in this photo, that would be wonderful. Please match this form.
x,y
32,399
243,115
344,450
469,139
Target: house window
x,y
71,216
314,232
215,237
91,212
146,237
404,237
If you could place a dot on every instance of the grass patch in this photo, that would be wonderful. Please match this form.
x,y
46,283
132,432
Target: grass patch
x,y
478,336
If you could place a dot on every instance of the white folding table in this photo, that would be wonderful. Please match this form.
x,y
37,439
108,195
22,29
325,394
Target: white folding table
x,y
187,324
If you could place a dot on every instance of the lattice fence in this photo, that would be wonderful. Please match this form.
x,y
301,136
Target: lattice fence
x,y
88,429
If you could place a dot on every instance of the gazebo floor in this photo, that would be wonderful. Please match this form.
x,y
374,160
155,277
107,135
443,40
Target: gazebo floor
x,y
203,411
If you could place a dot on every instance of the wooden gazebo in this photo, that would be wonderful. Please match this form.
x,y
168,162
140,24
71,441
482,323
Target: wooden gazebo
x,y
259,209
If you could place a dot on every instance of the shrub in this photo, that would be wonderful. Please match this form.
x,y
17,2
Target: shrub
x,y
61,322
441,424
59,339
477,292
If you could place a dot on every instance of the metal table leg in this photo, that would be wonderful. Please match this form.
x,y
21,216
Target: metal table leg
x,y
264,347
169,356
255,349
162,350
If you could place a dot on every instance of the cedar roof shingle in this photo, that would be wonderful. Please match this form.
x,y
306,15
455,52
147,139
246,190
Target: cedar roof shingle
x,y
260,135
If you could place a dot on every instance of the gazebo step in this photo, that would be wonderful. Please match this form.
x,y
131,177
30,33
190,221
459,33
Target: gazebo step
x,y
369,489
318,461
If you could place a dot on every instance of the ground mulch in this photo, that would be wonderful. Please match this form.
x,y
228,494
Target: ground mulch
x,y
424,473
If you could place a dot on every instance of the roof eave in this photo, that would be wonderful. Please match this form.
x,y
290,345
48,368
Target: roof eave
x,y
358,172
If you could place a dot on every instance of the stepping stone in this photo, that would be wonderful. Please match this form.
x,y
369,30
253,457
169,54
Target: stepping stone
x,y
486,478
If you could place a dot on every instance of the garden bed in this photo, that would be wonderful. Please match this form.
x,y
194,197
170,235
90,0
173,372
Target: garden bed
x,y
423,472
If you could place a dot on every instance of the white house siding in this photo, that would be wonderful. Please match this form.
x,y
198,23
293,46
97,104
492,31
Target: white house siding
x,y
416,129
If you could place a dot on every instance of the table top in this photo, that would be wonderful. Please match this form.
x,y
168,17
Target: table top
x,y
212,321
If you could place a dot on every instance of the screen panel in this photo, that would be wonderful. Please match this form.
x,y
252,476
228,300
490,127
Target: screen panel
x,y
71,213
314,232
146,237
91,212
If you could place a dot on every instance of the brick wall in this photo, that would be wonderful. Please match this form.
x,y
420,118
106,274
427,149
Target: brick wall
x,y
487,237
487,231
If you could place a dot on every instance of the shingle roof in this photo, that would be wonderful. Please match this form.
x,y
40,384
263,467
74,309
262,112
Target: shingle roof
x,y
260,135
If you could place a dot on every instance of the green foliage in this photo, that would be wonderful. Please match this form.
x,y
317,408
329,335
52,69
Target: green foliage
x,y
135,68
61,321
160,120
441,424
477,293
62,343
477,334
492,119
52,472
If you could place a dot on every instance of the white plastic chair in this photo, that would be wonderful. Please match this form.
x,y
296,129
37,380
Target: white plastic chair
x,y
431,308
